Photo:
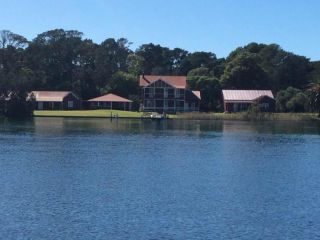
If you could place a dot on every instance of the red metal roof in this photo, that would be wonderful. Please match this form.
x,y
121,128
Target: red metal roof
x,y
109,98
245,95
50,96
175,81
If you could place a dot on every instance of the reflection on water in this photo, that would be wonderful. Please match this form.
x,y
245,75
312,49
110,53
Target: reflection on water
x,y
100,126
64,178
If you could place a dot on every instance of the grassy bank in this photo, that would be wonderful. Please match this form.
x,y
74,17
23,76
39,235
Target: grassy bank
x,y
246,116
88,113
93,114
243,116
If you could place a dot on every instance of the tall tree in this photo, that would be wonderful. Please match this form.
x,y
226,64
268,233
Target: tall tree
x,y
55,53
244,72
155,59
283,68
110,57
199,59
8,38
202,79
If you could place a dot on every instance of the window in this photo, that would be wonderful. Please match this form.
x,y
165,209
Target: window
x,y
171,103
180,104
264,106
151,92
159,103
177,93
40,105
70,104
170,92
159,93
148,103
146,92
165,104
166,93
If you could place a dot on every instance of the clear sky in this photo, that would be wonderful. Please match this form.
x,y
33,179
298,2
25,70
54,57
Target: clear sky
x,y
195,25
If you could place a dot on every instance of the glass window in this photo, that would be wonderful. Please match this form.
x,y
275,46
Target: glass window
x,y
70,104
177,93
148,103
171,103
159,103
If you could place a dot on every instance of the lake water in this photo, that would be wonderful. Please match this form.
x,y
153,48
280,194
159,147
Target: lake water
x,y
131,179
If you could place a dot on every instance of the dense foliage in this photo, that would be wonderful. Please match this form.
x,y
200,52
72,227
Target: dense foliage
x,y
64,60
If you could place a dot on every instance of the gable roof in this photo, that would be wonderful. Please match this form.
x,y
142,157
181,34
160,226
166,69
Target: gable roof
x,y
197,94
51,96
175,81
245,95
109,98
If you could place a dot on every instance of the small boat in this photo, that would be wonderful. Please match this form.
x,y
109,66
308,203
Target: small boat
x,y
158,116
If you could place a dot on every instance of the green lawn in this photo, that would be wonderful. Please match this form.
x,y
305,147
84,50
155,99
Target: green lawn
x,y
190,116
87,113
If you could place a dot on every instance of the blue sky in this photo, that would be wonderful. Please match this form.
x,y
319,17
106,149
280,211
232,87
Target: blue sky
x,y
194,25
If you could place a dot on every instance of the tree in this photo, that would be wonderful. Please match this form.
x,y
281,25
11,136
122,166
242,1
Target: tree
x,y
155,59
111,57
298,103
178,57
16,79
122,83
291,70
9,39
134,64
314,92
84,82
292,100
243,71
199,59
56,54
282,69
17,105
201,79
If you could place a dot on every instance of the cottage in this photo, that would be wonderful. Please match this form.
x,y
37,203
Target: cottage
x,y
110,101
55,100
241,100
167,94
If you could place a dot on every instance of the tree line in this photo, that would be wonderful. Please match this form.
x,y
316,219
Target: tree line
x,y
65,60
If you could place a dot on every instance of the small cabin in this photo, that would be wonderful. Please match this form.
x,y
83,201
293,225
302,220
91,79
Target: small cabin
x,y
241,100
110,101
55,100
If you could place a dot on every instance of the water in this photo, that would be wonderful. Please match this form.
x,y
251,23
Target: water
x,y
131,179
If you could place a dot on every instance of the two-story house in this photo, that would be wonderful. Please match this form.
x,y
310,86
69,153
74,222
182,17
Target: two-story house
x,y
167,94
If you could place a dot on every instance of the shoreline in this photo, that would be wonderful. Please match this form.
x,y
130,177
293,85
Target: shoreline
x,y
242,116
247,116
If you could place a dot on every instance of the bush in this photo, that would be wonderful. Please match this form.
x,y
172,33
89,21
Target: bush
x,y
298,103
16,106
292,100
